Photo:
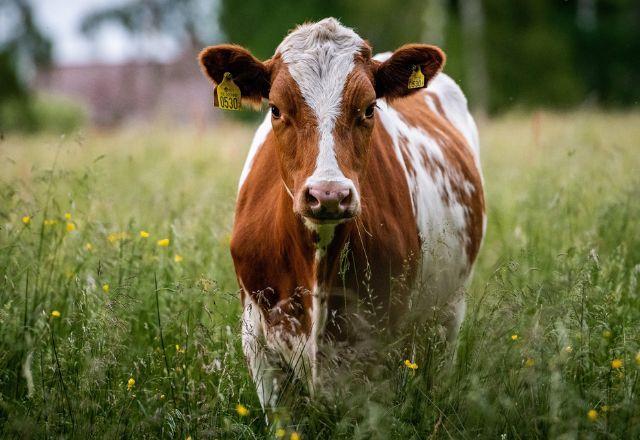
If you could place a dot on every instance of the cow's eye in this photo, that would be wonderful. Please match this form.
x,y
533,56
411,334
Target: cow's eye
x,y
368,113
275,112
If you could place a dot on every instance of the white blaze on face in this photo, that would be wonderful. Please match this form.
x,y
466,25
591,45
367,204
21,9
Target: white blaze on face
x,y
319,57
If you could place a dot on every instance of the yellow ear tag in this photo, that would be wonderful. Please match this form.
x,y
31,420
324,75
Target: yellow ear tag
x,y
416,80
228,92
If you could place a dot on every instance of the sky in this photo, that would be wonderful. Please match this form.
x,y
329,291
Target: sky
x,y
61,19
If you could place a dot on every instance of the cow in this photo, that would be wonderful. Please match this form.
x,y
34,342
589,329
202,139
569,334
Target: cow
x,y
359,160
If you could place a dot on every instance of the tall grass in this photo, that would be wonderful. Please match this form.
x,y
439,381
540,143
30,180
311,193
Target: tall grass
x,y
549,347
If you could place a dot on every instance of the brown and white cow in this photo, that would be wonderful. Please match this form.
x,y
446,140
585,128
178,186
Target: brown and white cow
x,y
350,161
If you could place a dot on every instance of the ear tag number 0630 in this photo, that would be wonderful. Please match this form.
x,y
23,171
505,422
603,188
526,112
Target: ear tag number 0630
x,y
228,92
416,80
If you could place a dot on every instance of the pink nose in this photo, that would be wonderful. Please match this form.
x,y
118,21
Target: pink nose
x,y
328,201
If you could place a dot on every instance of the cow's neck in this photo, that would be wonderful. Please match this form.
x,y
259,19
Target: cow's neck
x,y
319,244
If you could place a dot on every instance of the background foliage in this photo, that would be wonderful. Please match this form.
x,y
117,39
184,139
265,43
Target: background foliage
x,y
528,53
550,347
505,54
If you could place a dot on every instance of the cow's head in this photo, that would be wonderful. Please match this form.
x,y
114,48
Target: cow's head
x,y
322,85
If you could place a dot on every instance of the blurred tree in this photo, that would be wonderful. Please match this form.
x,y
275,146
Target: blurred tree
x,y
528,53
23,48
190,22
473,24
606,35
261,25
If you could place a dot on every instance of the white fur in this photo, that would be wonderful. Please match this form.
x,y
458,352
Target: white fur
x,y
319,312
382,56
319,57
325,233
255,352
263,346
455,107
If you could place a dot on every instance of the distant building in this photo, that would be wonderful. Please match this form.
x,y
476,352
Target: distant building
x,y
134,91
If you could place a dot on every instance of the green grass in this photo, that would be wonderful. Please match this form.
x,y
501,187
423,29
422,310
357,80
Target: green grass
x,y
559,268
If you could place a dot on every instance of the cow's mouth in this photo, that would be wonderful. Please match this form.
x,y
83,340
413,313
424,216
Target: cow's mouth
x,y
328,218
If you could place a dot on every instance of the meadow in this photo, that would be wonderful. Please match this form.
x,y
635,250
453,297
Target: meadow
x,y
119,313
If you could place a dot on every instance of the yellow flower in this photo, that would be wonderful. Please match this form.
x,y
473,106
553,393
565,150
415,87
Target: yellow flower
x,y
514,337
70,227
568,349
105,288
280,432
67,216
164,242
88,247
131,383
55,314
410,365
529,362
606,334
616,364
294,436
49,222
144,234
242,410
26,219
179,349
604,408
592,415
638,358
177,258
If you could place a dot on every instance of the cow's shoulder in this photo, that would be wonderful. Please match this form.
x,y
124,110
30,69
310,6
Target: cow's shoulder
x,y
444,95
266,239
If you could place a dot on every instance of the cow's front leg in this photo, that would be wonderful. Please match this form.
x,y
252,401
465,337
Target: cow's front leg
x,y
263,366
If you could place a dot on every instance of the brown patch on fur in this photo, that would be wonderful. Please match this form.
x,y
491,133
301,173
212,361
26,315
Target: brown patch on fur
x,y
438,104
460,164
403,145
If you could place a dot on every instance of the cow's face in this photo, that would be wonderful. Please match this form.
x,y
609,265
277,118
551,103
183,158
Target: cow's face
x,y
322,86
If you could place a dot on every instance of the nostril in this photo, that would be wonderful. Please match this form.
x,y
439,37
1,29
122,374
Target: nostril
x,y
311,201
346,201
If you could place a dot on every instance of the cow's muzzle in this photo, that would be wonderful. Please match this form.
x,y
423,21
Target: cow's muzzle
x,y
328,201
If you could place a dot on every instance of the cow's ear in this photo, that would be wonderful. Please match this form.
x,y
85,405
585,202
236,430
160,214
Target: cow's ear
x,y
252,76
393,76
